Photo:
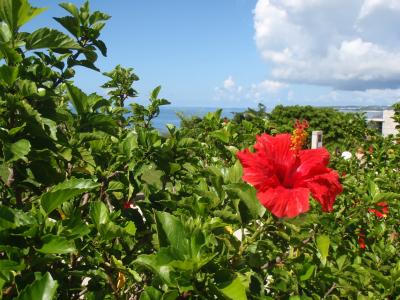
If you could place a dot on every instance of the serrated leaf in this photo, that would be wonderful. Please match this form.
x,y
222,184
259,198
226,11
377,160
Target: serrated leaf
x,y
159,264
12,218
16,151
130,228
51,39
53,244
71,8
41,289
65,191
249,206
78,99
71,24
26,87
17,12
171,232
10,265
9,74
99,214
235,173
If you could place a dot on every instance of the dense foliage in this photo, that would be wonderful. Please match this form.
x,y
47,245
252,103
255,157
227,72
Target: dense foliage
x,y
98,205
396,117
339,129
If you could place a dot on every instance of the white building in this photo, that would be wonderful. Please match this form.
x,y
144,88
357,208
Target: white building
x,y
385,123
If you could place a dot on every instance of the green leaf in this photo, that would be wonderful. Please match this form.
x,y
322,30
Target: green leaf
x,y
10,265
221,134
17,12
323,242
78,98
5,33
101,46
16,151
26,87
155,92
43,122
41,289
65,191
235,290
152,176
235,173
71,8
389,196
71,24
249,205
8,74
150,293
54,244
159,264
12,218
171,232
51,39
99,213
130,228
308,273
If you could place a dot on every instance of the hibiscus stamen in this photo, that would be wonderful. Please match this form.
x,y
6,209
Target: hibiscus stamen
x,y
299,135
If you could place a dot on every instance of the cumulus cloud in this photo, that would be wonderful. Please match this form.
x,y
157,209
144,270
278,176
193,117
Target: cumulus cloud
x,y
229,83
347,45
384,97
256,92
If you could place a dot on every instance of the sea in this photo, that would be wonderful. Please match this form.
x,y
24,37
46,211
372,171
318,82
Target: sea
x,y
169,114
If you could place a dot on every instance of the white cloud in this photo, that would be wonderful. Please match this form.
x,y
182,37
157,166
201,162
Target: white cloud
x,y
370,97
369,6
229,83
347,45
268,86
256,92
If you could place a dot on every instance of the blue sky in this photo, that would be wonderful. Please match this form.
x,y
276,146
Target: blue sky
x,y
236,53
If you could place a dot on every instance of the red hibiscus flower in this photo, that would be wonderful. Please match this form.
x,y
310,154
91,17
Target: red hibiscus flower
x,y
285,176
361,240
381,211
128,205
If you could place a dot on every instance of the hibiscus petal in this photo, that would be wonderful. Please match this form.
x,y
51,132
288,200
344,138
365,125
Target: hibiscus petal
x,y
312,162
324,188
284,202
257,171
277,150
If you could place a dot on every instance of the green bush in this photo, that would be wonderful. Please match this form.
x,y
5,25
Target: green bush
x,y
339,129
96,204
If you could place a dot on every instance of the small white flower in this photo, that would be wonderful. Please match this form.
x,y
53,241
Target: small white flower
x,y
85,281
346,155
268,281
238,233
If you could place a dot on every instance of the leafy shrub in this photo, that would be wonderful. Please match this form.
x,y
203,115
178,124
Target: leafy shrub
x,y
339,129
96,204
